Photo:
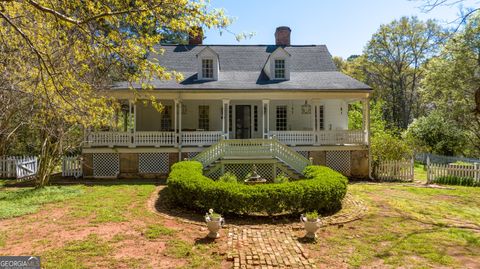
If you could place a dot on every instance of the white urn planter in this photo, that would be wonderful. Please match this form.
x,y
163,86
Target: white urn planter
x,y
311,226
214,224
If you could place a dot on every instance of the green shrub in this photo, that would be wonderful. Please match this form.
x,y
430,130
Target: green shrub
x,y
228,177
455,180
321,191
282,178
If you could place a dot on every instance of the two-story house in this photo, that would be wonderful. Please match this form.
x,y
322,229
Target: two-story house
x,y
275,106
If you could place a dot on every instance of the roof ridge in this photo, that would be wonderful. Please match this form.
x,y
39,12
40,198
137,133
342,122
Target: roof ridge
x,y
242,45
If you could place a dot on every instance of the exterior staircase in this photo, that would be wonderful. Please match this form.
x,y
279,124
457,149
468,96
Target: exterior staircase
x,y
252,151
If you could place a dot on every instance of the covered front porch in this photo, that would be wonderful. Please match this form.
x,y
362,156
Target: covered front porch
x,y
203,122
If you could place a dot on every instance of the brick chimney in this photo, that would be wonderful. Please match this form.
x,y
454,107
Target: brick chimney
x,y
282,36
195,36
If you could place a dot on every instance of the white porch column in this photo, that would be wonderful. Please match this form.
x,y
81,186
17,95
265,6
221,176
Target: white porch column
x,y
131,116
180,141
314,114
134,117
180,122
366,120
265,118
225,118
175,119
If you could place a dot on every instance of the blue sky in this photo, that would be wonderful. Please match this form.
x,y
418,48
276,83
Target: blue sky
x,y
344,26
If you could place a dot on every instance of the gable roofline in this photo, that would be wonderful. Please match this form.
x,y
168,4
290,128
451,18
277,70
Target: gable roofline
x,y
279,48
207,48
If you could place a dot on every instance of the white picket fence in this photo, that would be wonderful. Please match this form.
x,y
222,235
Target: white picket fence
x,y
436,170
402,170
19,167
72,166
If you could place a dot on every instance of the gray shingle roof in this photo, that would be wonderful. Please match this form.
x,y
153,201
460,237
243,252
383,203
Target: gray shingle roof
x,y
241,67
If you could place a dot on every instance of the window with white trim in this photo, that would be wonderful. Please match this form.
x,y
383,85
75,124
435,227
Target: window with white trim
x,y
207,68
203,117
281,121
166,118
279,69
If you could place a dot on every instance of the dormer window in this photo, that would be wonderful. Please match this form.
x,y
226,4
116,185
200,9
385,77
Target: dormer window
x,y
207,68
208,64
278,64
279,69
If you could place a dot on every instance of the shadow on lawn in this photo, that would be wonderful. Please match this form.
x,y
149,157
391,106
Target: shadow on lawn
x,y
204,240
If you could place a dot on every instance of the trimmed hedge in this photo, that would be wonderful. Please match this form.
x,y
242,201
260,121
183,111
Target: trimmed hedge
x,y
455,180
323,190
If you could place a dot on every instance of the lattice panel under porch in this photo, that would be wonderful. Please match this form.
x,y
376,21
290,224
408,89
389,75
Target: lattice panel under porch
x,y
106,164
242,170
191,155
153,163
215,175
339,161
303,153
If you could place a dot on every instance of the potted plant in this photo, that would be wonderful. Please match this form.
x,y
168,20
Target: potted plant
x,y
214,223
311,221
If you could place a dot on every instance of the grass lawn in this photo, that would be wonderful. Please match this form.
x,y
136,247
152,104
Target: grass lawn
x,y
109,226
18,202
420,172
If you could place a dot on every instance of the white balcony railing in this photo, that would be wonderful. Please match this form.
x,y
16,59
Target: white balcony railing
x,y
207,138
200,138
337,137
156,139
295,138
152,139
110,139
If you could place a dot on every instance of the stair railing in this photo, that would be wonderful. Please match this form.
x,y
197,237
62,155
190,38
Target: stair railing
x,y
244,148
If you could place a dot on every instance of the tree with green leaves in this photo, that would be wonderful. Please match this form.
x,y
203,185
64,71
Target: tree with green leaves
x,y
385,143
452,83
395,60
436,134
61,54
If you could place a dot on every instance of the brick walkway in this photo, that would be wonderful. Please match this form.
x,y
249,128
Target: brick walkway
x,y
266,248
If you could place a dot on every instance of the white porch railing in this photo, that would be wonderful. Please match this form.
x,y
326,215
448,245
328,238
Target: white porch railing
x,y
294,138
200,138
207,138
341,137
156,139
337,137
153,139
109,139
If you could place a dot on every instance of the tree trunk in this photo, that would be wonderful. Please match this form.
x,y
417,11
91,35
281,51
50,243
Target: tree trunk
x,y
48,159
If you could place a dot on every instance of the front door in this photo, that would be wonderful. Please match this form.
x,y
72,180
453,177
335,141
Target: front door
x,y
243,122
